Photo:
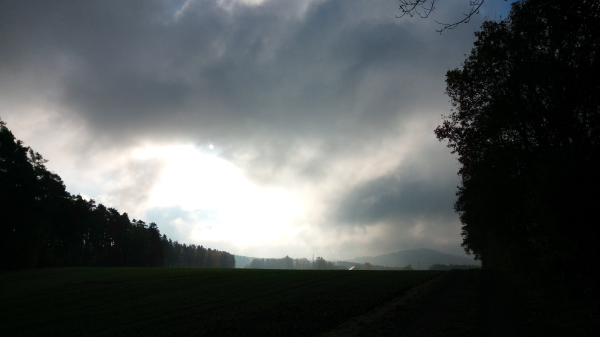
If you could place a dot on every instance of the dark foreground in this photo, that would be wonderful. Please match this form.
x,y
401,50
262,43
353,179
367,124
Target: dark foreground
x,y
160,301
478,303
183,302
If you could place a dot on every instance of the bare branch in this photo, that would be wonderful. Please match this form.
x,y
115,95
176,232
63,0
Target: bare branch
x,y
475,5
423,8
412,7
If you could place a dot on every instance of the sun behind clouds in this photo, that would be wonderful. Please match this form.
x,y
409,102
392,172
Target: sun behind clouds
x,y
194,180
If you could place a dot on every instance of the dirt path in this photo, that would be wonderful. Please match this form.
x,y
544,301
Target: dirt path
x,y
456,303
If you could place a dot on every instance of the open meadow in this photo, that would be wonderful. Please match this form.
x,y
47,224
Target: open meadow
x,y
162,301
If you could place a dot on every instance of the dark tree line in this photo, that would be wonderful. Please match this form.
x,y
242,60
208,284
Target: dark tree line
x,y
319,263
191,256
42,225
282,263
452,266
291,263
526,128
369,266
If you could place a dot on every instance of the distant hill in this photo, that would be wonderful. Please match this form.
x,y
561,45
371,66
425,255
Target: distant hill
x,y
420,258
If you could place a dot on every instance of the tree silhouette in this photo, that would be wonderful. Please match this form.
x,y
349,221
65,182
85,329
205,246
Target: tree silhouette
x,y
42,225
526,128
29,195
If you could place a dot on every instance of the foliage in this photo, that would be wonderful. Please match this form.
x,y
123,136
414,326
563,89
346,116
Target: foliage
x,y
526,128
290,263
369,266
43,225
210,302
319,263
409,267
452,266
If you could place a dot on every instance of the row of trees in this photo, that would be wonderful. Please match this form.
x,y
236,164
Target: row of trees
x,y
43,225
191,256
319,263
452,266
289,263
526,129
369,266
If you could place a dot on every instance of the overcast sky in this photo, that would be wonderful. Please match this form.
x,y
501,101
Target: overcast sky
x,y
263,128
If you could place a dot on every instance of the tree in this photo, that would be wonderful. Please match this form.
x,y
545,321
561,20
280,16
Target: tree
x,y
287,263
302,263
42,225
29,197
156,258
212,259
526,128
320,263
226,260
408,267
423,9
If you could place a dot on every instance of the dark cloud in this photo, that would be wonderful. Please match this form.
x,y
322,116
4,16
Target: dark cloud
x,y
295,93
403,196
398,199
412,204
253,71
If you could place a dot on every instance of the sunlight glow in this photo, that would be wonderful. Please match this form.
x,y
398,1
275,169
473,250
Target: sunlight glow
x,y
199,181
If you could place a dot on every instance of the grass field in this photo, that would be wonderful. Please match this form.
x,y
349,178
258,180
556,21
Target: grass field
x,y
160,301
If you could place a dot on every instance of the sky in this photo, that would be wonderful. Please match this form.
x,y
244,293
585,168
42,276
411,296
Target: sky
x,y
262,128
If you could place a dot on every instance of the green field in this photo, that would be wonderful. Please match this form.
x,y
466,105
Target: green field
x,y
160,301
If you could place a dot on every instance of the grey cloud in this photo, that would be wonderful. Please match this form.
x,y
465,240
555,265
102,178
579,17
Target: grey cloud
x,y
253,72
442,238
418,191
391,198
131,185
263,83
414,209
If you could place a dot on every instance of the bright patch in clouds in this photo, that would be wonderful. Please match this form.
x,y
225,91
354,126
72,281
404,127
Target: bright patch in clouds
x,y
326,108
202,184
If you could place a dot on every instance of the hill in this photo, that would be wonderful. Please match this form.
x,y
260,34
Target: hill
x,y
421,258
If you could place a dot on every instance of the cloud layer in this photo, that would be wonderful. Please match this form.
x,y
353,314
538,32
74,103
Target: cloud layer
x,y
327,104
